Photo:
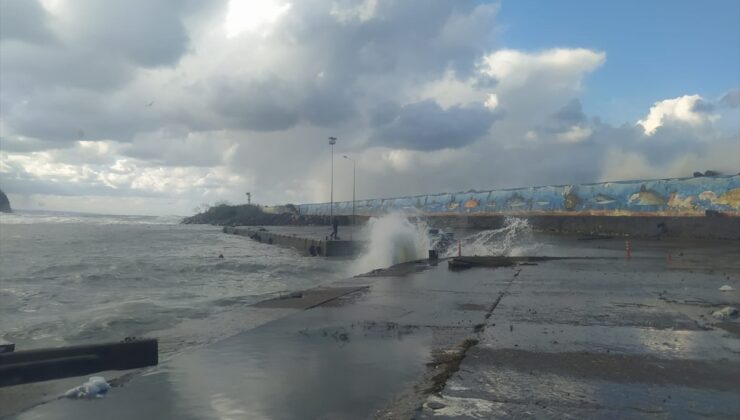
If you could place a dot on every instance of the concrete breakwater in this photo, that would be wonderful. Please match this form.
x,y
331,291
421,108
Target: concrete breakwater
x,y
306,245
706,207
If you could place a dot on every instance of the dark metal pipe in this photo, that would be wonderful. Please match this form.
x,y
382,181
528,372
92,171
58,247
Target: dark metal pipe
x,y
44,364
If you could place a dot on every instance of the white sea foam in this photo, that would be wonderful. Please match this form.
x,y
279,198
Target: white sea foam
x,y
24,217
514,238
392,239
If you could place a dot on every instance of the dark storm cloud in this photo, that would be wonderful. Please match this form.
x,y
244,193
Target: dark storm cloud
x,y
326,106
175,146
571,113
484,81
564,119
360,63
263,105
24,20
100,44
703,106
148,33
274,104
103,46
73,115
420,36
731,99
427,126
668,142
384,113
15,145
25,70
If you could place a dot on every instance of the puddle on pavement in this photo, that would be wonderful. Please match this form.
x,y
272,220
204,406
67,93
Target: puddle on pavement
x,y
300,367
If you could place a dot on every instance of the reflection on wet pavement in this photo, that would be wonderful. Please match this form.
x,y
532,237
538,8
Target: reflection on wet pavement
x,y
313,366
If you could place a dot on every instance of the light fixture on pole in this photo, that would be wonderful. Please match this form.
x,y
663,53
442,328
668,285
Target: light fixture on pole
x,y
354,178
332,142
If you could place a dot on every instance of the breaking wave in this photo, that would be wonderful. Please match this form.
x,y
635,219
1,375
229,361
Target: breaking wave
x,y
392,239
25,217
514,238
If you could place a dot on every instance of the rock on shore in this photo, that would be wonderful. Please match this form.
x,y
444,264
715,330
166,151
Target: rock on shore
x,y
4,203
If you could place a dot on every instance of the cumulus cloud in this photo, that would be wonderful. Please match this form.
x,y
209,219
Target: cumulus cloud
x,y
575,134
24,20
564,65
531,87
200,101
621,163
97,45
427,126
690,109
731,99
89,170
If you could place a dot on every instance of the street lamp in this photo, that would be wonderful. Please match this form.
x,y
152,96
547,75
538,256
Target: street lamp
x,y
332,142
354,177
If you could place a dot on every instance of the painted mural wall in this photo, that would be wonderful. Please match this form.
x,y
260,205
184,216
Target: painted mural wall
x,y
670,197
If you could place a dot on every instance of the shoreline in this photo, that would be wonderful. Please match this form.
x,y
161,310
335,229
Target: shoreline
x,y
444,331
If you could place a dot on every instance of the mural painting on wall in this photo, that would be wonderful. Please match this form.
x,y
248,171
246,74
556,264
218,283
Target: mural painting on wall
x,y
730,198
571,198
690,196
471,203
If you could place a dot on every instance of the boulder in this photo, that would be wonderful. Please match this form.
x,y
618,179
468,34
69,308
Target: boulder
x,y
4,203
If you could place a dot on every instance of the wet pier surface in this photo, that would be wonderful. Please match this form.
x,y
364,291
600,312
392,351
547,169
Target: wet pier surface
x,y
308,241
582,338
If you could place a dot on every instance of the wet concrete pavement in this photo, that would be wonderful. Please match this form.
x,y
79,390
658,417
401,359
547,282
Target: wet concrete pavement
x,y
565,338
318,232
588,339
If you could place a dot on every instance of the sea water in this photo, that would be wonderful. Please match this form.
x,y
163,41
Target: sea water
x,y
69,279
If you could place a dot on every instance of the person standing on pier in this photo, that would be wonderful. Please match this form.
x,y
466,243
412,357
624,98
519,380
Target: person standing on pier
x,y
335,228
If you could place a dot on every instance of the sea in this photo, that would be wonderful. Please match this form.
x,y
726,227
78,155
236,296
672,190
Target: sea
x,y
70,278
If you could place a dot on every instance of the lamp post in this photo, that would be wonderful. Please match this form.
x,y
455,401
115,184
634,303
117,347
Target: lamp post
x,y
354,178
332,142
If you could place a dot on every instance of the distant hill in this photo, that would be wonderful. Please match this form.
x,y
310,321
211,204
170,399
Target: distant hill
x,y
254,215
4,203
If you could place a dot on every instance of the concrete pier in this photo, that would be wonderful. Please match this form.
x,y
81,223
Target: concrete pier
x,y
307,244
593,337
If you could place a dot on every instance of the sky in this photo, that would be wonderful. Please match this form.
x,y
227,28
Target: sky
x,y
144,107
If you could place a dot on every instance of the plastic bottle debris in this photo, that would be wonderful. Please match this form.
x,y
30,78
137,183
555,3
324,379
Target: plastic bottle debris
x,y
726,288
95,387
725,313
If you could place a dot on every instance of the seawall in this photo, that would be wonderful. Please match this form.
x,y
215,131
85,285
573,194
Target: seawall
x,y
701,207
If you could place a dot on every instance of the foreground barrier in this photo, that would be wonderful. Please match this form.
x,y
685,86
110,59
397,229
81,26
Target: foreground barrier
x,y
22,367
